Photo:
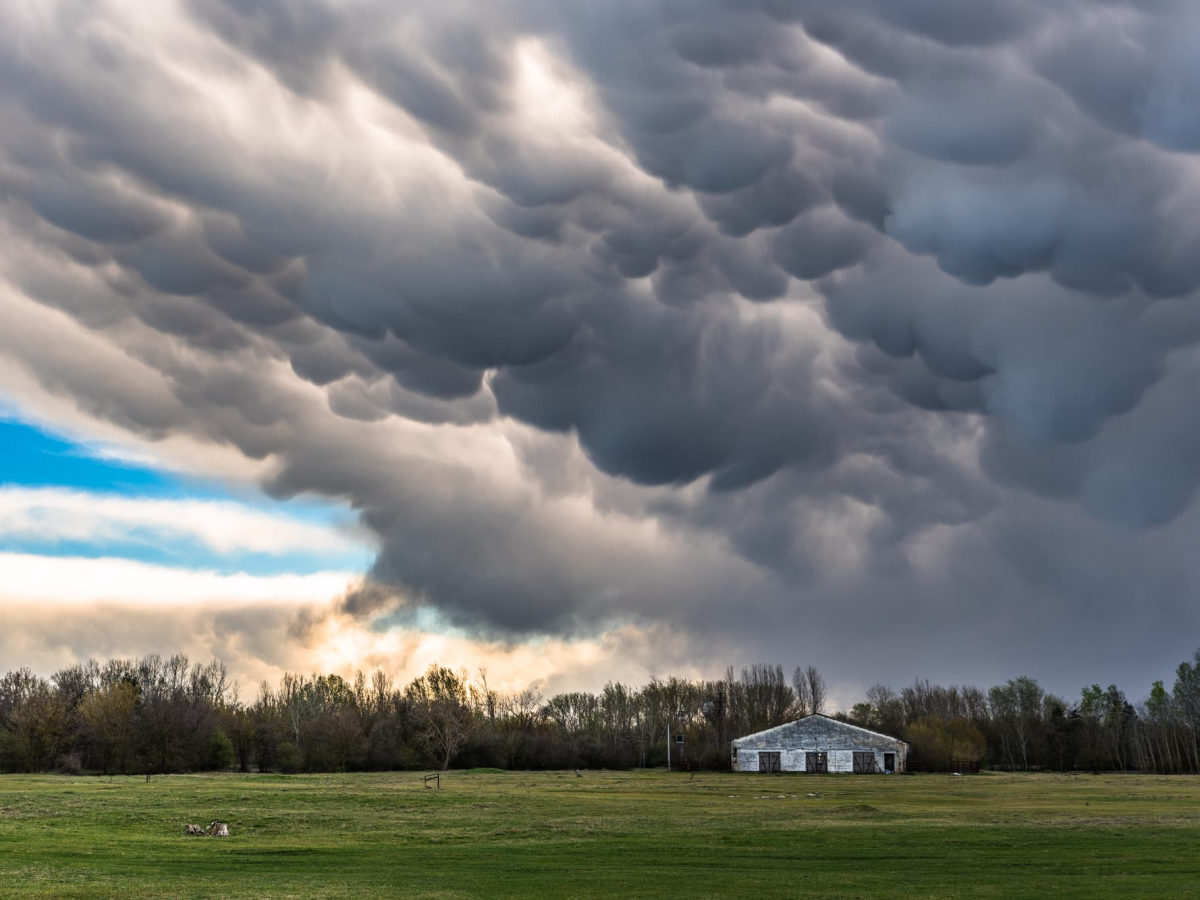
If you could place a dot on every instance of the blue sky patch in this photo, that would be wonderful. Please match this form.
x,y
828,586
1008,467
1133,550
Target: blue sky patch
x,y
31,457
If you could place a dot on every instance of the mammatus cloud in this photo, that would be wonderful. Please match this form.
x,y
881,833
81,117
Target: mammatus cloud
x,y
797,327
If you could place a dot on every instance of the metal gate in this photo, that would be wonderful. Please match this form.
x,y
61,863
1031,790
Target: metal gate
x,y
769,762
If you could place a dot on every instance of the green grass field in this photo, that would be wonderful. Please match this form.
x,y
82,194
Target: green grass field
x,y
608,834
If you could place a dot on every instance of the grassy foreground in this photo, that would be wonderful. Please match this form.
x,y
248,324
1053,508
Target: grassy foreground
x,y
607,834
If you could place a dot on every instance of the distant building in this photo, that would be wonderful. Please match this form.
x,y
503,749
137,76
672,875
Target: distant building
x,y
819,744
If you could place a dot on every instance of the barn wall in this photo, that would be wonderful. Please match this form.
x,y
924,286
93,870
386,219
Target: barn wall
x,y
794,740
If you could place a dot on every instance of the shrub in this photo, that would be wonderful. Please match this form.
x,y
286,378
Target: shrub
x,y
11,759
220,752
716,760
289,758
69,764
934,743
408,758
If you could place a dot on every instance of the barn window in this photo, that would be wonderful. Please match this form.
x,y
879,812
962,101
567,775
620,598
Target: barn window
x,y
816,763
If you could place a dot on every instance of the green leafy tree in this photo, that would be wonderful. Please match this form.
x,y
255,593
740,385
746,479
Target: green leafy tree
x,y
220,752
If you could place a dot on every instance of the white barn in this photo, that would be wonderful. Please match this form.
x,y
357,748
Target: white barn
x,y
818,744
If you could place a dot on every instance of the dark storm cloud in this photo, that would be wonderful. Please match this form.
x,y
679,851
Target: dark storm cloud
x,y
716,409
557,295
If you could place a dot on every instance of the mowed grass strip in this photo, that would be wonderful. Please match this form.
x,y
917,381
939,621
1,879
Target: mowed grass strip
x,y
607,834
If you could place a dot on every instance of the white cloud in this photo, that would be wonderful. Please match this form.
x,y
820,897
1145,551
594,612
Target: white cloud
x,y
28,578
52,515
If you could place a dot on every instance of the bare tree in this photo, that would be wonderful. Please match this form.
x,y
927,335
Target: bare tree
x,y
761,697
440,697
523,707
108,719
816,689
618,712
1016,709
800,686
486,700
887,709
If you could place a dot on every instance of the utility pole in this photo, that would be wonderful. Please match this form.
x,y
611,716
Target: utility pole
x,y
679,713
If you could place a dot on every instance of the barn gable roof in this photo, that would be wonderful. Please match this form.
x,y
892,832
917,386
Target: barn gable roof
x,y
838,722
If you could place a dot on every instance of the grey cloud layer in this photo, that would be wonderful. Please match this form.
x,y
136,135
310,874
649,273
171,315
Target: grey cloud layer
x,y
369,244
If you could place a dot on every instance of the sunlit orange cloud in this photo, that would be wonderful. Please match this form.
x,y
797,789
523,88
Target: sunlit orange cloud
x,y
54,612
548,664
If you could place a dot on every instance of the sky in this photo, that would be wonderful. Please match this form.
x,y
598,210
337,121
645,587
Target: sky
x,y
582,341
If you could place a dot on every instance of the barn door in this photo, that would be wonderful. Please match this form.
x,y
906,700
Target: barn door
x,y
864,762
768,762
889,762
816,763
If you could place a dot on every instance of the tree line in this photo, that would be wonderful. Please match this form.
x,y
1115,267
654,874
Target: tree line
x,y
154,715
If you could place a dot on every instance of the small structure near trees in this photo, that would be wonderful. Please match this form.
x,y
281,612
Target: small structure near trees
x,y
818,744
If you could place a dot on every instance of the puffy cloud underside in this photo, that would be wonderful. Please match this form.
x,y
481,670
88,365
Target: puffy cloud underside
x,y
793,325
